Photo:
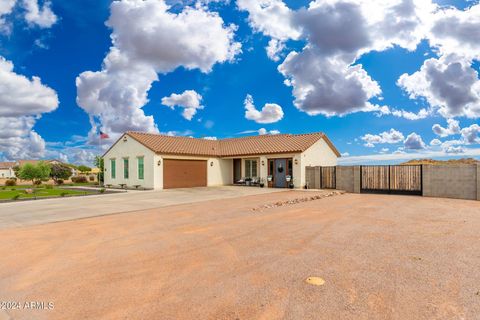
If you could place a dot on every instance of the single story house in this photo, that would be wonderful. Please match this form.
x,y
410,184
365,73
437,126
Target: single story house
x,y
6,170
156,161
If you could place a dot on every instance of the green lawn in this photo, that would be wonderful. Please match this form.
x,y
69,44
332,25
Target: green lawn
x,y
43,186
8,193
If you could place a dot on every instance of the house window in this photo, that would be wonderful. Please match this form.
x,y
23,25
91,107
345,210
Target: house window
x,y
113,165
140,168
125,168
250,168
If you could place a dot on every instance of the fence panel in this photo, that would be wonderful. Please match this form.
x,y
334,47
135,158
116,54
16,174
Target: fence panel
x,y
374,178
406,178
392,179
328,177
311,177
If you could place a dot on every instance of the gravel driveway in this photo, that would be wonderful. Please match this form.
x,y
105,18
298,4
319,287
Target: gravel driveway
x,y
380,257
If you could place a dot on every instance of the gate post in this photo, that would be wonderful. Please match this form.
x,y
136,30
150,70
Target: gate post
x,y
478,182
357,180
318,177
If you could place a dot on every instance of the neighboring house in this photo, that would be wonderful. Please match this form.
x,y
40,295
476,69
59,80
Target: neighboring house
x,y
164,162
6,170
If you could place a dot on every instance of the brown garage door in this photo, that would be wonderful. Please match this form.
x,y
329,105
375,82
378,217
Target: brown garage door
x,y
184,173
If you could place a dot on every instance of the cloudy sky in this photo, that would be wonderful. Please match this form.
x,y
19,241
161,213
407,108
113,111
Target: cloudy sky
x,y
386,80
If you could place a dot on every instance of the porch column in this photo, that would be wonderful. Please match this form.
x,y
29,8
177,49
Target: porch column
x,y
263,169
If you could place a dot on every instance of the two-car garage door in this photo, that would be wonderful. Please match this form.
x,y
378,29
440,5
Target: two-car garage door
x,y
184,173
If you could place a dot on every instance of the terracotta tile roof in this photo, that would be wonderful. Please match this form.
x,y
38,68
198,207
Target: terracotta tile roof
x,y
7,165
245,146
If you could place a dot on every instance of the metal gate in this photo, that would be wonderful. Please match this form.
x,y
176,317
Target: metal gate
x,y
391,179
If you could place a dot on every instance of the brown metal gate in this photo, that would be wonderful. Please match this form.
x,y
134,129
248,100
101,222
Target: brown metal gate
x,y
391,179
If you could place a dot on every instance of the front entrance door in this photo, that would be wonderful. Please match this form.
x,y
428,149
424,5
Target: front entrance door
x,y
237,170
280,168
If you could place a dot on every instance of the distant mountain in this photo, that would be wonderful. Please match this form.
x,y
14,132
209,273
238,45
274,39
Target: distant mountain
x,y
442,162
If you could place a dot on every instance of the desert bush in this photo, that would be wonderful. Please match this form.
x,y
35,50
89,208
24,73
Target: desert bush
x,y
91,178
102,190
79,179
59,181
15,197
37,182
10,183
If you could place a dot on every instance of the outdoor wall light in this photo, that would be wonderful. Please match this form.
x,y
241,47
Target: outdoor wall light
x,y
296,161
211,164
159,162
263,162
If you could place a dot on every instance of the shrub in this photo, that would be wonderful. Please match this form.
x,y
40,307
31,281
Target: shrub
x,y
37,182
63,194
91,178
48,186
15,197
79,179
102,190
59,181
10,183
60,171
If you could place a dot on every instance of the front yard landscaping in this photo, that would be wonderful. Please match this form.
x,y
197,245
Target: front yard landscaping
x,y
42,191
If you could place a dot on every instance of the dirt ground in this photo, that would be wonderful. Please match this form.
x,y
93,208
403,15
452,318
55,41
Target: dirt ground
x,y
381,256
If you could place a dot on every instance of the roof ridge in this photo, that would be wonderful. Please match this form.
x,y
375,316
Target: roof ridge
x,y
228,147
232,138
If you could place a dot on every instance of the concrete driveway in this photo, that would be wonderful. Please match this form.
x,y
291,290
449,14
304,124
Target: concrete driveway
x,y
27,213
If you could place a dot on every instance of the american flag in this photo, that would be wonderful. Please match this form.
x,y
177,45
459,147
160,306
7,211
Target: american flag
x,y
103,135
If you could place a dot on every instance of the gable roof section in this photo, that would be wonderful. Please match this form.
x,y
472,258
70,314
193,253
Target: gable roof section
x,y
245,146
7,165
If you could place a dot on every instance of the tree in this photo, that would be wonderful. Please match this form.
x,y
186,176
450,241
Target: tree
x,y
60,171
84,169
98,162
16,170
35,172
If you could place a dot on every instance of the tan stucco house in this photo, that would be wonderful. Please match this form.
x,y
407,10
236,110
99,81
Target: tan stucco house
x,y
6,170
156,161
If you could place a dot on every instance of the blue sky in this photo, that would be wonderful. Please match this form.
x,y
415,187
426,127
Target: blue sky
x,y
74,39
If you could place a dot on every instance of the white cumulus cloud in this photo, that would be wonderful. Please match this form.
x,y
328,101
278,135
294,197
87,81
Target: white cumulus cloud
x,y
414,142
452,128
22,102
148,39
270,113
387,137
190,100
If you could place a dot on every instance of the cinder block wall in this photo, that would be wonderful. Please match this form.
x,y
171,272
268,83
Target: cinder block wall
x,y
453,181
345,178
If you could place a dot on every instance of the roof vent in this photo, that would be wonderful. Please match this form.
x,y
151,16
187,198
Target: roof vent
x,y
125,138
